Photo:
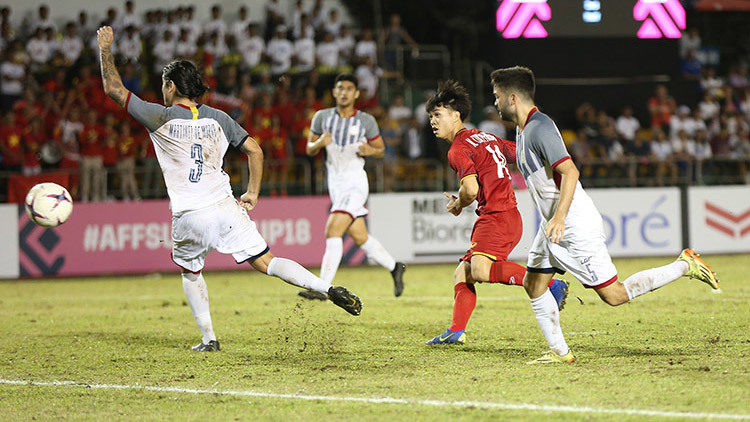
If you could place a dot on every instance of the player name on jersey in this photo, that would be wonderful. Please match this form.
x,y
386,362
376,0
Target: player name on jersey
x,y
191,131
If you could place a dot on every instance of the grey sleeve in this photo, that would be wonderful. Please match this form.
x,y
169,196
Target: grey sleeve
x,y
548,143
235,133
316,126
150,115
371,127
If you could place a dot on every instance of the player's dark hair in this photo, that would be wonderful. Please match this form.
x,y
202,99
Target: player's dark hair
x,y
186,77
453,95
516,79
347,77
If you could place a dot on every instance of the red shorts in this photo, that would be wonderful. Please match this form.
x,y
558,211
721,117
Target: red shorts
x,y
495,235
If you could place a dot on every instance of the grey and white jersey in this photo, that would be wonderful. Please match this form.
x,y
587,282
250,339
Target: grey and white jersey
x,y
348,134
190,144
539,149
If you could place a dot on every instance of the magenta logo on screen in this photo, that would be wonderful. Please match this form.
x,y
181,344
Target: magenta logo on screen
x,y
661,18
521,18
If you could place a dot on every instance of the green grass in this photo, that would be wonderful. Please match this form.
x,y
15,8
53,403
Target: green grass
x,y
680,349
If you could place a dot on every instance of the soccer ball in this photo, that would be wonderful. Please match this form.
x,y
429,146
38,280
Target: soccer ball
x,y
48,204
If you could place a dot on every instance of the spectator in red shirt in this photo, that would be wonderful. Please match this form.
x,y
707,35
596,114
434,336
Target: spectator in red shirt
x,y
109,154
278,148
661,107
92,165
265,111
310,100
285,109
32,142
126,164
10,143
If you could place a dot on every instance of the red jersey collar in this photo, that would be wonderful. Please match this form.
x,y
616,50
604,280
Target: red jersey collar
x,y
186,107
532,111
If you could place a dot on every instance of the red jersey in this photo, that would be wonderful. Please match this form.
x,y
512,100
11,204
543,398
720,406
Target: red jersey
x,y
126,146
32,141
474,152
11,140
301,129
90,141
109,150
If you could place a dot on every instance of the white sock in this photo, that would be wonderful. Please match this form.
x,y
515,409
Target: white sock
x,y
196,293
653,278
377,253
296,274
548,318
331,259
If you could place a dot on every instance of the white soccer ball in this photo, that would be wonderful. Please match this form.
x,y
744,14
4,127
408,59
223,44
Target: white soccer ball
x,y
48,204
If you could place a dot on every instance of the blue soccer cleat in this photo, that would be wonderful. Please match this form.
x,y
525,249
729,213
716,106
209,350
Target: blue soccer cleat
x,y
559,289
449,337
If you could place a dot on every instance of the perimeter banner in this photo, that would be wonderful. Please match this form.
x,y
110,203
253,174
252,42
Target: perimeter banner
x,y
415,227
134,237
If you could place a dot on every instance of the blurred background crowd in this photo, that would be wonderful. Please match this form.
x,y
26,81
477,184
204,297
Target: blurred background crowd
x,y
271,69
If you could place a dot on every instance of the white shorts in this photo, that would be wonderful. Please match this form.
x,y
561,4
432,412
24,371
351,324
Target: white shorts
x,y
582,252
349,194
223,226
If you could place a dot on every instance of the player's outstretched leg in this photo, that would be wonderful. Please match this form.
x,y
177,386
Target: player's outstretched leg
x,y
295,274
196,293
688,264
698,269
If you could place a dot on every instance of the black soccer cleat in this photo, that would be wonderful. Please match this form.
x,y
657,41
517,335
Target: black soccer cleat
x,y
211,346
345,299
398,278
312,295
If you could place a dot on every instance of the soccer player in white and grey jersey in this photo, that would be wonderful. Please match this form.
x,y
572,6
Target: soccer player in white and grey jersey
x,y
190,141
571,235
348,135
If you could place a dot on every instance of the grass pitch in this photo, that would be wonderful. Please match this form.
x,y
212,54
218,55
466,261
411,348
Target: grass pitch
x,y
122,343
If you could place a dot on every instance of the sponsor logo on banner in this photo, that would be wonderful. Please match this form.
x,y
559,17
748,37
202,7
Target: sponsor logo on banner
x,y
719,219
39,249
417,228
726,222
135,237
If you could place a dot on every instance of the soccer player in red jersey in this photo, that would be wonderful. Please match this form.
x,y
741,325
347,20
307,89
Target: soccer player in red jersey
x,y
480,160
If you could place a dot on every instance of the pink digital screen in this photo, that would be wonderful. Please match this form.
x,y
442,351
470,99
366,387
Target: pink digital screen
x,y
646,19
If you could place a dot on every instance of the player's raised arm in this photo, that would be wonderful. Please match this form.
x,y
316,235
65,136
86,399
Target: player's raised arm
x,y
111,80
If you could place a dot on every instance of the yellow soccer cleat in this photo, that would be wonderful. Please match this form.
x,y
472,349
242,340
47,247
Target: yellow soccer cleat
x,y
552,357
699,269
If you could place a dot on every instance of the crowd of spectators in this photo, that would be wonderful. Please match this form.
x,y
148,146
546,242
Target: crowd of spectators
x,y
272,70
682,143
269,71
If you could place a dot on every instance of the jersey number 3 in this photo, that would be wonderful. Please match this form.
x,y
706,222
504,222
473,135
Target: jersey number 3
x,y
196,152
502,169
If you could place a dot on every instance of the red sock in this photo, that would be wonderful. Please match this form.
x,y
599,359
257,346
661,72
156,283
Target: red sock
x,y
507,273
464,301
